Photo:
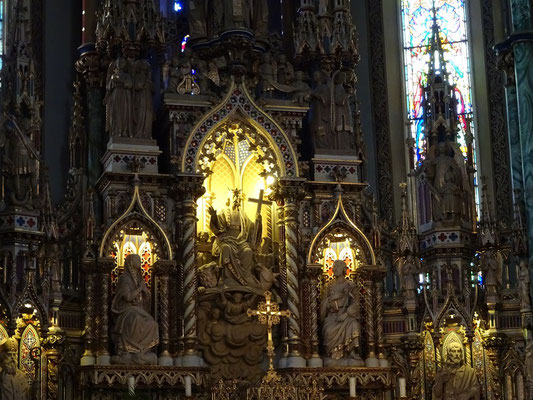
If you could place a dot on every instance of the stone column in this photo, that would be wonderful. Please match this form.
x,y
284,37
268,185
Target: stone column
x,y
379,322
370,316
189,188
291,193
314,272
523,56
90,68
89,9
163,269
105,265
89,270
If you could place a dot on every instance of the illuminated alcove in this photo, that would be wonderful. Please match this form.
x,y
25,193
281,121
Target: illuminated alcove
x,y
238,156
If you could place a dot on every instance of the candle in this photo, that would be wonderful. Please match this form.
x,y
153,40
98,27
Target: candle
x,y
131,385
188,386
352,386
401,384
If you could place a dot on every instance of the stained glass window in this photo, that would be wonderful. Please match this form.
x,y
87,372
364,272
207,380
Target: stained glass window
x,y
28,341
417,22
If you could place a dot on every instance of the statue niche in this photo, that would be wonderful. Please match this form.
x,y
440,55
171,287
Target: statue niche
x,y
340,315
233,282
135,332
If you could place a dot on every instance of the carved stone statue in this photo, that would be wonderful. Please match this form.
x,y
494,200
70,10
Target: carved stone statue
x,y
13,382
302,91
339,312
492,263
320,112
197,18
19,164
523,284
259,17
118,99
143,112
174,75
235,248
285,70
408,268
135,329
343,125
268,77
456,380
451,192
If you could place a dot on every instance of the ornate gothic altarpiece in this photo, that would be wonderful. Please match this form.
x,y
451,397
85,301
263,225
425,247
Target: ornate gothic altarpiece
x,y
218,238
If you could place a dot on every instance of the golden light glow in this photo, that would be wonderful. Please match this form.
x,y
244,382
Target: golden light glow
x,y
134,242
340,250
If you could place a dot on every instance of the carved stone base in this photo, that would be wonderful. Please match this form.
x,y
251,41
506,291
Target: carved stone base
x,y
232,343
331,168
126,155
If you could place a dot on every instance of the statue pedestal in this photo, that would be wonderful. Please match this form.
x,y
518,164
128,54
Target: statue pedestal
x,y
165,361
331,167
103,359
87,360
293,362
192,360
125,155
372,362
315,362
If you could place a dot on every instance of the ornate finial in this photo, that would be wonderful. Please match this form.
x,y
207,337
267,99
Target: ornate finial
x,y
407,241
488,234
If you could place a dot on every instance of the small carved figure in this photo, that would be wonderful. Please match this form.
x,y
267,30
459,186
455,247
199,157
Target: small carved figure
x,y
197,18
19,165
320,112
174,74
136,331
235,306
492,263
456,380
409,267
187,83
302,90
143,113
285,70
344,138
118,99
529,360
13,382
523,284
340,315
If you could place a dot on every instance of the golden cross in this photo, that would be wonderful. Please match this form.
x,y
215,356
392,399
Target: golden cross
x,y
260,201
269,314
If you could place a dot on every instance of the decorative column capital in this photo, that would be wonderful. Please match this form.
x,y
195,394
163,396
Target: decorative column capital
x,y
506,64
188,187
89,65
164,268
105,264
289,190
89,266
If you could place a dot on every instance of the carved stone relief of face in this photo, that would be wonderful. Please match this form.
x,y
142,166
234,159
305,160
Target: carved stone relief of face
x,y
455,354
339,268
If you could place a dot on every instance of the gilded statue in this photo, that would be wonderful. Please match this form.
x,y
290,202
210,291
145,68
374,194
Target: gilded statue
x,y
236,246
340,316
456,380
136,331
13,382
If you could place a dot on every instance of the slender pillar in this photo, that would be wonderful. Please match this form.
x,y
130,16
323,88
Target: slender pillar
x,y
523,55
370,316
513,126
105,265
314,273
163,269
292,193
89,271
284,326
379,323
189,189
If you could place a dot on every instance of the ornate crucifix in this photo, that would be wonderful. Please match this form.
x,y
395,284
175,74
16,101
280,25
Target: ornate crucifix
x,y
268,313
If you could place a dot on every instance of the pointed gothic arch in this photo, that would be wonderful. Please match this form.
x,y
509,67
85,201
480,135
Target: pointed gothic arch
x,y
238,103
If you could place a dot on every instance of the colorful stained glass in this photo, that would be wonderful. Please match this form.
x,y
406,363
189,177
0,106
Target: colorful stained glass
x,y
417,22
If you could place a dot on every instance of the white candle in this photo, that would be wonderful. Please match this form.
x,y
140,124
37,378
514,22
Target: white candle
x,y
188,386
352,386
131,385
401,383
